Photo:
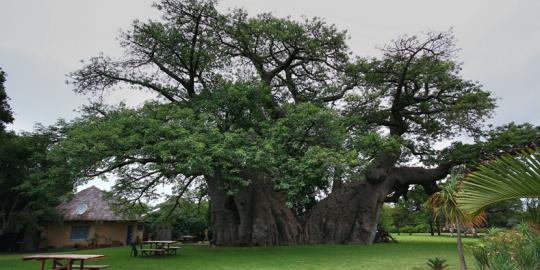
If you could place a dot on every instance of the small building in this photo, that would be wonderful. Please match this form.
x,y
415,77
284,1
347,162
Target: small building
x,y
89,221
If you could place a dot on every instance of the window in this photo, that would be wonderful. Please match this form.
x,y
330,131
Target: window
x,y
79,232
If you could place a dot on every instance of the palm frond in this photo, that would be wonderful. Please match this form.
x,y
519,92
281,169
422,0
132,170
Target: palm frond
x,y
507,177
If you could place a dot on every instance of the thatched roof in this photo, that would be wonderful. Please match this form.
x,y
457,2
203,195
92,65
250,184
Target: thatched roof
x,y
89,205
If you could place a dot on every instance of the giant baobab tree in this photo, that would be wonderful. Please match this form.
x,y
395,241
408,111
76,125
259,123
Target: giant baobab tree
x,y
294,138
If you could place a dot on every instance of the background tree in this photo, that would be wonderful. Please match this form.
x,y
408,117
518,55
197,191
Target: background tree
x,y
190,217
28,190
29,186
6,115
504,214
387,220
412,215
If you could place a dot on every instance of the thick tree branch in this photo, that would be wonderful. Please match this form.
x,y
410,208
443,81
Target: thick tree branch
x,y
120,165
179,196
420,175
146,84
426,177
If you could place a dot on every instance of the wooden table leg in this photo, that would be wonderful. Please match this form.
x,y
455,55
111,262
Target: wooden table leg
x,y
42,264
82,265
69,265
58,265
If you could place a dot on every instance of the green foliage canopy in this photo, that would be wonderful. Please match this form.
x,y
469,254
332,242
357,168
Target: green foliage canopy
x,y
240,93
229,131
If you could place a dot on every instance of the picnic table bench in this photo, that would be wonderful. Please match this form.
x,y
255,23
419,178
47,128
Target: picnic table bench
x,y
173,249
92,267
69,259
152,251
158,248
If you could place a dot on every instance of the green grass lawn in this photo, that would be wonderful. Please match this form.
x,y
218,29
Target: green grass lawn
x,y
411,253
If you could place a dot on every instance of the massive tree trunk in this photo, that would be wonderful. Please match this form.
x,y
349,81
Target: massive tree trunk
x,y
256,215
350,214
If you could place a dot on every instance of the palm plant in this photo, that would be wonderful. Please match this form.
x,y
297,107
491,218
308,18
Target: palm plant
x,y
507,177
444,204
437,263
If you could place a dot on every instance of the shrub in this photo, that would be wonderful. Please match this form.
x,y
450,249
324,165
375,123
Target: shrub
x,y
408,229
509,250
421,228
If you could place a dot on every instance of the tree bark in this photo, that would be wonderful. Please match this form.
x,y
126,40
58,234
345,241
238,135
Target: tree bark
x,y
350,214
256,215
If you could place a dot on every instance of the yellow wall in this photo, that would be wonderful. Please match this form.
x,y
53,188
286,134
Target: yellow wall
x,y
106,233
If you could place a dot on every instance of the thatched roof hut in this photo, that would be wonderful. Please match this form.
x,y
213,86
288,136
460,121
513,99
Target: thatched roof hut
x,y
89,204
90,221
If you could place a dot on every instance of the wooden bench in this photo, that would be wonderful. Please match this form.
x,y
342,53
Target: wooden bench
x,y
91,267
149,251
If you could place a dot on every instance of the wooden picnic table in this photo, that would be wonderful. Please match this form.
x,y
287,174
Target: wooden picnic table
x,y
69,258
159,247
188,238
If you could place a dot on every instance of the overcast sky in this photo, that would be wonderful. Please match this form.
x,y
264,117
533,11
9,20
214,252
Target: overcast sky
x,y
43,40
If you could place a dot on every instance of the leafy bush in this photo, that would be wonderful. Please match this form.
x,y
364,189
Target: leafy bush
x,y
509,250
421,228
437,263
408,229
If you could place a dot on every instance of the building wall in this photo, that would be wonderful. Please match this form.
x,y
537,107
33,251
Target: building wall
x,y
101,233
